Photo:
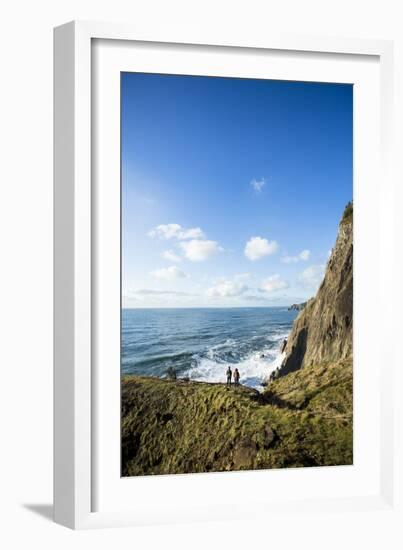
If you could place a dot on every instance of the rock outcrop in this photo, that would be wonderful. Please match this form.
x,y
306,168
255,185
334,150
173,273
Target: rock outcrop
x,y
323,331
297,307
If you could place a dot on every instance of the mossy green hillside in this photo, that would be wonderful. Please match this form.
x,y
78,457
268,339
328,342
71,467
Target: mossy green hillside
x,y
303,419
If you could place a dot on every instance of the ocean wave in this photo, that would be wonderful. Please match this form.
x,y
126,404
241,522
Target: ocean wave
x,y
168,360
254,367
201,344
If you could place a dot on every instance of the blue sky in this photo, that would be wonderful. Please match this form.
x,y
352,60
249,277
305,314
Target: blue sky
x,y
232,189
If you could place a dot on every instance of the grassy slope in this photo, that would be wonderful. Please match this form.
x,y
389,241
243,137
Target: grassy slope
x,y
303,419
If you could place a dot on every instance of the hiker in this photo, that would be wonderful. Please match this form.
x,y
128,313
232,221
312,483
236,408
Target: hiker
x,y
236,377
229,376
283,345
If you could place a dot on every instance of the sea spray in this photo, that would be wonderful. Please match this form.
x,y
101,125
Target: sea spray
x,y
254,367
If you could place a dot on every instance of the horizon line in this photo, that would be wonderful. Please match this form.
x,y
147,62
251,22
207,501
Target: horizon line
x,y
211,307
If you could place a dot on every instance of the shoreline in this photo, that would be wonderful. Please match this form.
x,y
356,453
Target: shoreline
x,y
182,378
186,381
210,365
185,377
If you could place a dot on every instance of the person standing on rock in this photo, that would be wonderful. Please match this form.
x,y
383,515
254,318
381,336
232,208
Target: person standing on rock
x,y
229,376
236,377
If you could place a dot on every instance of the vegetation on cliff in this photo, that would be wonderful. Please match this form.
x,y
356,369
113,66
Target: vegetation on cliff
x,y
181,427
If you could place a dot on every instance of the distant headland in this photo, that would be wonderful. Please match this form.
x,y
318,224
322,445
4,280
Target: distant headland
x,y
297,307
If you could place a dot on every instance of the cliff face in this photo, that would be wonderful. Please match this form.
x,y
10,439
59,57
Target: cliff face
x,y
323,331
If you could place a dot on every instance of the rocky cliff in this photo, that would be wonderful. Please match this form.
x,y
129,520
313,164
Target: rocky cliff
x,y
323,331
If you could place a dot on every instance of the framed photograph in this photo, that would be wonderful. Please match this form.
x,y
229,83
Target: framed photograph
x,y
221,234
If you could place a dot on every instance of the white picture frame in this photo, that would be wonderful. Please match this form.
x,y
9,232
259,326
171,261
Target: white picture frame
x,y
79,311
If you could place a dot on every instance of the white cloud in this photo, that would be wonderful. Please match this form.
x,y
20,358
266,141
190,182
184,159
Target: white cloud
x,y
273,283
258,185
228,288
151,292
192,233
303,255
312,276
257,248
169,273
198,250
171,256
175,231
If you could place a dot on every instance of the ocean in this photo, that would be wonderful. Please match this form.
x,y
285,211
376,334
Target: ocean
x,y
201,343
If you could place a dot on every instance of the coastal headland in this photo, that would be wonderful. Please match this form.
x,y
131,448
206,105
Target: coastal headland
x,y
304,416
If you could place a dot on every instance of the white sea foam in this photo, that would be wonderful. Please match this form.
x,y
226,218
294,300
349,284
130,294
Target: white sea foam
x,y
254,367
